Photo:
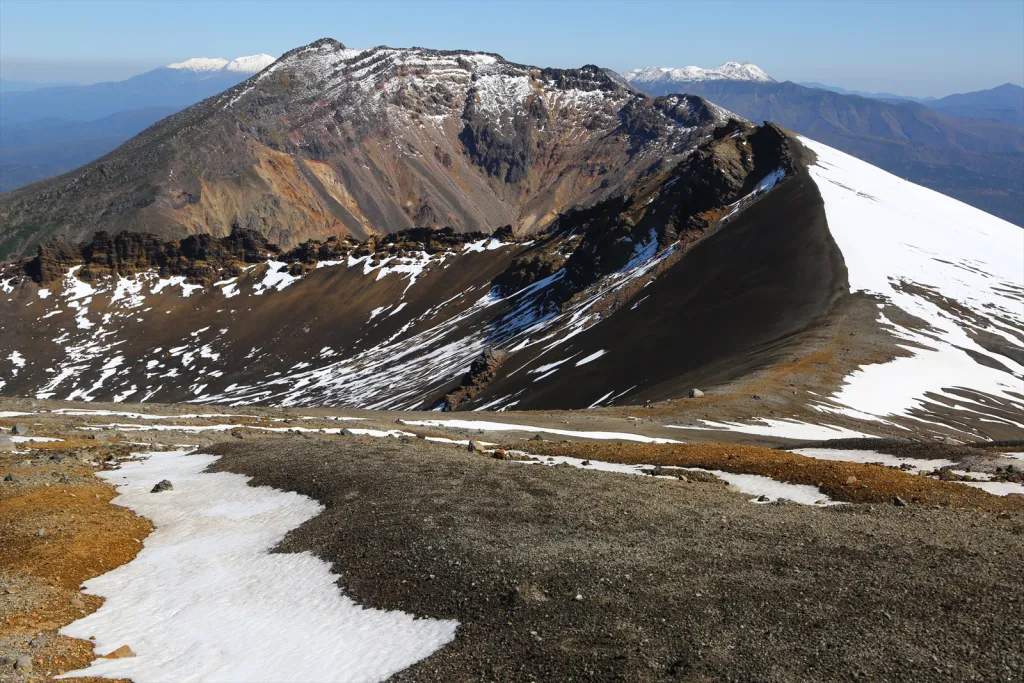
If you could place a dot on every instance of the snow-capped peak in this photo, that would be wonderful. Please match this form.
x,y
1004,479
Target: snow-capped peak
x,y
730,71
250,65
200,64
247,65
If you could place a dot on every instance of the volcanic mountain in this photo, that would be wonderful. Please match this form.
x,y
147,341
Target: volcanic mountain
x,y
412,229
330,141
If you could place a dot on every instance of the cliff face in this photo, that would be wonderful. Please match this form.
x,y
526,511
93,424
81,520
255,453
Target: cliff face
x,y
332,141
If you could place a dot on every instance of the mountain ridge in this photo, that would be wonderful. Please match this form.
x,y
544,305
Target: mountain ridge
x,y
728,71
331,141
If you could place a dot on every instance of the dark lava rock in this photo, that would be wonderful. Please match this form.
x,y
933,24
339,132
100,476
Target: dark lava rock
x,y
480,374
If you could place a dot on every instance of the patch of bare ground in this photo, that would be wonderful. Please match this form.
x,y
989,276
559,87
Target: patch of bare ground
x,y
842,481
58,529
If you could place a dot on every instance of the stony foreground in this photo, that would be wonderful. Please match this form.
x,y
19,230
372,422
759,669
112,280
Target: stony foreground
x,y
554,573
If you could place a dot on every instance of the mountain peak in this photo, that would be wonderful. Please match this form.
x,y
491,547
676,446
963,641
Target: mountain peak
x,y
200,64
729,71
249,64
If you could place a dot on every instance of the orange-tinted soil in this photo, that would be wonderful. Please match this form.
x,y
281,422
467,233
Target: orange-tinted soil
x,y
843,481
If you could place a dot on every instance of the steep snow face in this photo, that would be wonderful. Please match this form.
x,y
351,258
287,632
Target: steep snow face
x,y
200,64
250,65
730,71
957,270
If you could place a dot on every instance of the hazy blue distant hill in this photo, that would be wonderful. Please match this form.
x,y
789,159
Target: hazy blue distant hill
x,y
39,149
176,85
862,93
53,129
17,86
1003,103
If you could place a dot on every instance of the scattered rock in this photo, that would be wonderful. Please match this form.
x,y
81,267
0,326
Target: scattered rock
x,y
657,471
9,477
23,663
732,488
21,429
579,597
851,479
77,602
121,653
40,532
696,393
821,501
347,432
585,463
682,478
237,434
899,502
164,485
475,446
536,437
763,499
38,641
500,455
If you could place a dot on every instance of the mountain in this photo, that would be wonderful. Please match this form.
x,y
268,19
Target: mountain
x,y
51,130
977,161
331,141
863,93
1003,103
583,245
43,148
7,85
176,85
661,77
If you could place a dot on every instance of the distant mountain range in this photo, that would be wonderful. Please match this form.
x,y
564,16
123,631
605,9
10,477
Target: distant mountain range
x,y
863,93
968,146
13,86
730,71
176,85
46,131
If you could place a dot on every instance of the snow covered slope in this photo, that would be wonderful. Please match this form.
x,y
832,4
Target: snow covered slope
x,y
248,65
957,270
730,71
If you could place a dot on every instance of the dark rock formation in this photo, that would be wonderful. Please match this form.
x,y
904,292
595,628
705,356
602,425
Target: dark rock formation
x,y
480,374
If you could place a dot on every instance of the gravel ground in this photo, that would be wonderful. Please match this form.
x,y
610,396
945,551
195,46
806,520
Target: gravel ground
x,y
562,574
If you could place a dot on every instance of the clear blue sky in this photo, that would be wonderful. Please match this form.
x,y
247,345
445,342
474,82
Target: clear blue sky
x,y
913,48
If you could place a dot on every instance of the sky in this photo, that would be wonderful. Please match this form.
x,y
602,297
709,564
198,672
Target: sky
x,y
916,48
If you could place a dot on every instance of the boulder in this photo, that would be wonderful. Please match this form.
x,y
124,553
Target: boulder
x,y
121,653
21,429
696,393
164,485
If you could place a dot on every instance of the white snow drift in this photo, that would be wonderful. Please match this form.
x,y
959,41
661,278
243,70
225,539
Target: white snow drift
x,y
205,600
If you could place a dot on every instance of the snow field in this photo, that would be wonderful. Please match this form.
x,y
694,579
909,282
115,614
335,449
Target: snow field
x,y
205,600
